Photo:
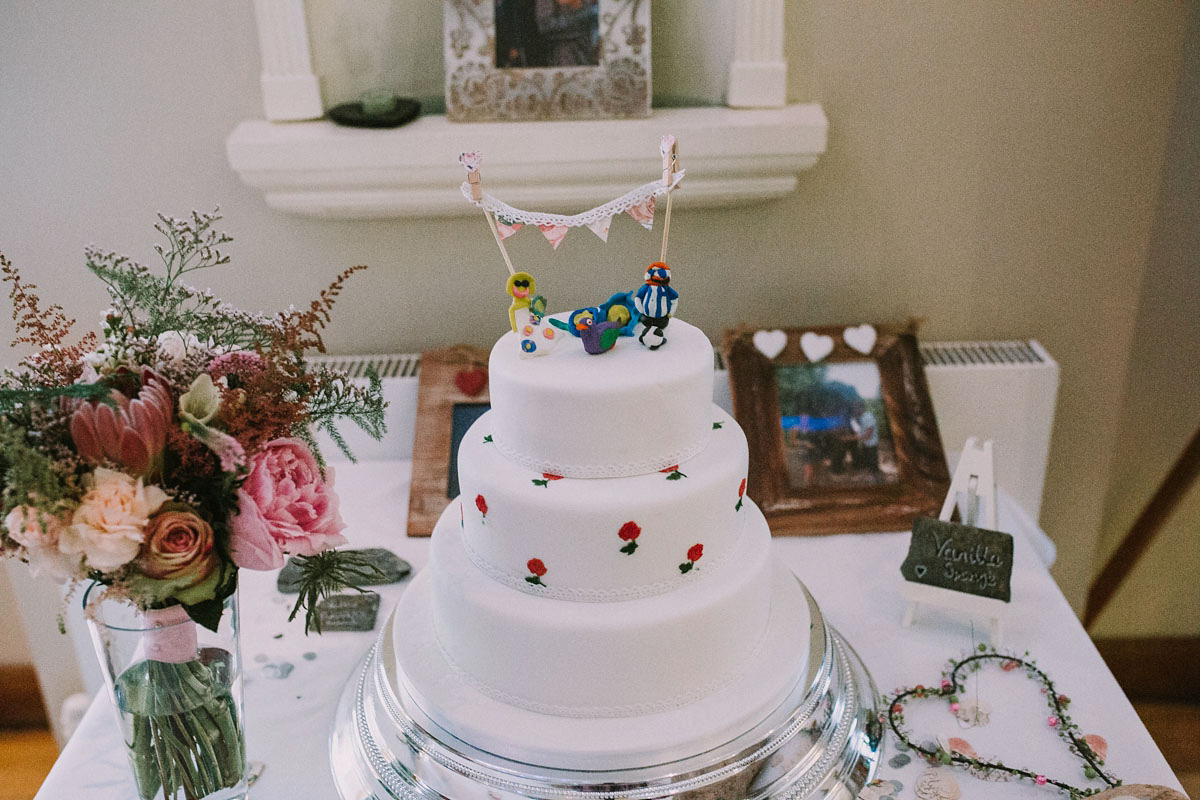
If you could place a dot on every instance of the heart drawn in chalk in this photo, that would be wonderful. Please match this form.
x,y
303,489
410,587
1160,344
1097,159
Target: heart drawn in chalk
x,y
1090,749
471,381
920,569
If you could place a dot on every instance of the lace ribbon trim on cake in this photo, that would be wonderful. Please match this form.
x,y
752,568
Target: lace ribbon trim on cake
x,y
591,712
577,595
509,215
620,470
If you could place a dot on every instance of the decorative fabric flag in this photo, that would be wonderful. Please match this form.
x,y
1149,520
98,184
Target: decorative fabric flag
x,y
554,234
600,228
506,230
643,212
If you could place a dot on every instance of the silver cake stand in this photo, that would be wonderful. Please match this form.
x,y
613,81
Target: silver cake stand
x,y
823,742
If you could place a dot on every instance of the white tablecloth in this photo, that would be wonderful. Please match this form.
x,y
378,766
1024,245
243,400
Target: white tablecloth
x,y
292,682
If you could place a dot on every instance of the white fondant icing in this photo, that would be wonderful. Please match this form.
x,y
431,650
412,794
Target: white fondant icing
x,y
707,725
625,412
573,525
607,659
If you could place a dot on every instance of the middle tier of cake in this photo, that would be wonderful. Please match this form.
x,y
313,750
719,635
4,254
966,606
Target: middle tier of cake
x,y
615,659
602,539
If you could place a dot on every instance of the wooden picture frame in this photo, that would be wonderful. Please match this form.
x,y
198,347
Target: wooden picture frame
x,y
449,379
811,473
613,81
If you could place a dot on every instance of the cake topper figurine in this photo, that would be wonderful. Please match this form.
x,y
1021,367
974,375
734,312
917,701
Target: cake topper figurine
x,y
655,302
526,315
645,311
522,288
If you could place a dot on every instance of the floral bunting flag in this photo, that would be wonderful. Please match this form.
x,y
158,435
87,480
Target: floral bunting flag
x,y
554,234
600,227
643,212
506,230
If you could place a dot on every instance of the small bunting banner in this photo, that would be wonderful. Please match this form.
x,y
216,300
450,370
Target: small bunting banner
x,y
640,204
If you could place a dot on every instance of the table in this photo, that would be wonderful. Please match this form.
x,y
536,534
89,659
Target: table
x,y
292,682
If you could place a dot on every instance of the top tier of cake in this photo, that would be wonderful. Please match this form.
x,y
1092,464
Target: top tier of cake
x,y
630,411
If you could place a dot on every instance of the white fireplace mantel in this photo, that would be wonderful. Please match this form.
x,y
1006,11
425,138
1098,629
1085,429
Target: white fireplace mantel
x,y
751,151
316,168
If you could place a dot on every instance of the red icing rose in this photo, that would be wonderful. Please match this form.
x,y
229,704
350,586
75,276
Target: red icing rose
x,y
535,566
742,488
695,551
481,504
629,532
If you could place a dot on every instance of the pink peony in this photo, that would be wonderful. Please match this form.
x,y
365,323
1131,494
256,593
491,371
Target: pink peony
x,y
131,433
284,507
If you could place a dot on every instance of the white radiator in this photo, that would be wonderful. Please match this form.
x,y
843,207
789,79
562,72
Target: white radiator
x,y
1003,391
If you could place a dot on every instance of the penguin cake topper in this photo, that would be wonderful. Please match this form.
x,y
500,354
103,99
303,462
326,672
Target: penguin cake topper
x,y
655,302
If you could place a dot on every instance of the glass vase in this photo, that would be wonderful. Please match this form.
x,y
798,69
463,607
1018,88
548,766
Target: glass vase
x,y
177,690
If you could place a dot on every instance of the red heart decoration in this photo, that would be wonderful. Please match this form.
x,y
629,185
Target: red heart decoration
x,y
471,381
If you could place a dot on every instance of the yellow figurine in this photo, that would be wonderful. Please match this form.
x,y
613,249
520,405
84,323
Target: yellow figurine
x,y
521,288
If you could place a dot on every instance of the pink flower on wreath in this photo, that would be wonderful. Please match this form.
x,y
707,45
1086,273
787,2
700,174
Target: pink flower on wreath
x,y
284,506
38,533
130,432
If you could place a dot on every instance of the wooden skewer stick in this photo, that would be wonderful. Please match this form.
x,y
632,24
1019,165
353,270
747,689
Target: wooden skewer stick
x,y
670,163
476,181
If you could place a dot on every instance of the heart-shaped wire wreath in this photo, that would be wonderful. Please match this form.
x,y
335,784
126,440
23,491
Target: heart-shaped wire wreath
x,y
953,684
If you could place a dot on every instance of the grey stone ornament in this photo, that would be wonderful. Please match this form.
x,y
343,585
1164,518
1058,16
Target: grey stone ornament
x,y
392,569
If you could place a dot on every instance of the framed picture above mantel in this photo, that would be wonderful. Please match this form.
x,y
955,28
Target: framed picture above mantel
x,y
840,426
546,59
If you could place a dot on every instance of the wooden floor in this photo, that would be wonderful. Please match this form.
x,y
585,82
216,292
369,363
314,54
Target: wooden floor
x,y
26,756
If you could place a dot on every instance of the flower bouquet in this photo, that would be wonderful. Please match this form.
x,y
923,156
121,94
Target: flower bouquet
x,y
153,462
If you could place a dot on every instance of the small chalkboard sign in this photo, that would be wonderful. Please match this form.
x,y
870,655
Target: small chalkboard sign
x,y
961,558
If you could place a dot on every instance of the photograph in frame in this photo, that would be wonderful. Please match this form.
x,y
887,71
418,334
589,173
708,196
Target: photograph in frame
x,y
845,442
546,59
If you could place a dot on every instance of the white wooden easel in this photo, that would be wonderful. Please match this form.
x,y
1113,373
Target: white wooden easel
x,y
974,479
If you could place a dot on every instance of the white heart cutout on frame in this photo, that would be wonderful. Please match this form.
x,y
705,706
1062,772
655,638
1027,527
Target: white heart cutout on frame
x,y
860,338
770,343
816,345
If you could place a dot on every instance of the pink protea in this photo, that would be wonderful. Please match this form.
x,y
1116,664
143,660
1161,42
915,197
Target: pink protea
x,y
131,432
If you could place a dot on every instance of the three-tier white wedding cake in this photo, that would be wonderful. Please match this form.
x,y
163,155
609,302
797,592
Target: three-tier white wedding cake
x,y
602,595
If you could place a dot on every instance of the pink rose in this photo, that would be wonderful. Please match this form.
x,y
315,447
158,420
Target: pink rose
x,y
177,559
284,506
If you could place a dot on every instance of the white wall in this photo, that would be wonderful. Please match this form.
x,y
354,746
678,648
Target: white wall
x,y
992,168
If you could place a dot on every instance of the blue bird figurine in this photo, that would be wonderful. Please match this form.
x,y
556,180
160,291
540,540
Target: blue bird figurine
x,y
597,337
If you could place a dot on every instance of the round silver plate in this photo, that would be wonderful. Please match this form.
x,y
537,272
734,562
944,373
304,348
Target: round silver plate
x,y
823,741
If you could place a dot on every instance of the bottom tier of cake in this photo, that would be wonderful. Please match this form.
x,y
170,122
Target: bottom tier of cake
x,y
821,739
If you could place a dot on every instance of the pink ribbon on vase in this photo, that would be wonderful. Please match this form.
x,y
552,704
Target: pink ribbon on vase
x,y
171,637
